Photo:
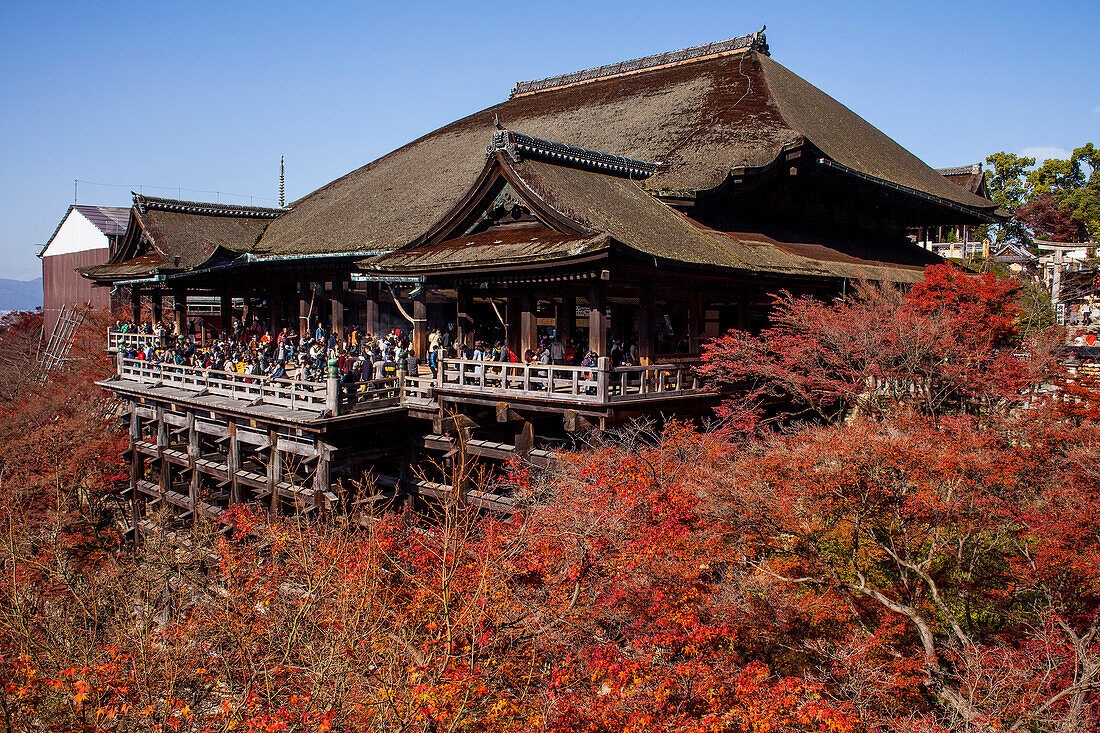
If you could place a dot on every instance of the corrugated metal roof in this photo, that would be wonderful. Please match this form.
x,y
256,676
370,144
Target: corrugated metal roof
x,y
111,220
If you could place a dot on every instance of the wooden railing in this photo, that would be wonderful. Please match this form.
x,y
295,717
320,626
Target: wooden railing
x,y
656,381
117,340
368,394
599,385
317,397
417,391
290,393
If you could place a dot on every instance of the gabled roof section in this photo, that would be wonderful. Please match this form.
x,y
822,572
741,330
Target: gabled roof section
x,y
583,214
968,177
697,118
172,235
109,220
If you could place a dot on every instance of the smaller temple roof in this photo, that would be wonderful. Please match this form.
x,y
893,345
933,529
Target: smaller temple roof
x,y
968,177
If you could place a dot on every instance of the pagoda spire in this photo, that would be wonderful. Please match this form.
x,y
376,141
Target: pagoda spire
x,y
282,182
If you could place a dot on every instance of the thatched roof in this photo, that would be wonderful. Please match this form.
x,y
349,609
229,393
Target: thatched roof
x,y
699,119
605,211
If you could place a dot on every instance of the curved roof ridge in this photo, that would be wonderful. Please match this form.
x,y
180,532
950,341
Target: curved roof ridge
x,y
749,42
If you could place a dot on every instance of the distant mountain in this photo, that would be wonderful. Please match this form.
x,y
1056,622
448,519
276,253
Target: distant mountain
x,y
20,295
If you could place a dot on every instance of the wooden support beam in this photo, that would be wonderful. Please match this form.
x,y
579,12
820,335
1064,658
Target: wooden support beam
x,y
567,319
179,307
274,471
321,475
135,304
512,322
525,439
597,319
646,313
528,324
164,478
225,303
275,309
463,322
158,306
336,305
305,295
507,414
192,465
233,463
374,320
574,422
137,468
420,325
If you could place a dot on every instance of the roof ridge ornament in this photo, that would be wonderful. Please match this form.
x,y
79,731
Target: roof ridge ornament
x,y
751,42
154,203
515,145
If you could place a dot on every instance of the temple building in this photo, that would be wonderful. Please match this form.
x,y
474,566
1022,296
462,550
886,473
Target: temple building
x,y
659,202
85,236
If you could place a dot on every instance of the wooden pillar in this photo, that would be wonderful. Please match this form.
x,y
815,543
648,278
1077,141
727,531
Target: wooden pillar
x,y
193,466
274,470
321,475
696,326
528,324
512,323
233,462
374,321
137,468
305,294
711,328
179,307
463,322
337,307
275,306
420,325
597,319
567,324
158,306
226,304
164,478
135,304
646,307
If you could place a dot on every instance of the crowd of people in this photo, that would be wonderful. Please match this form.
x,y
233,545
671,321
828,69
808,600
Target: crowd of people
x,y
253,350
357,356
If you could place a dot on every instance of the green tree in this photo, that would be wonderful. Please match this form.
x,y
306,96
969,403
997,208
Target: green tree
x,y
1007,184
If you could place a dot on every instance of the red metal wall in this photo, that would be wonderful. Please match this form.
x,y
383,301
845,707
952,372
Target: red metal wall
x,y
61,285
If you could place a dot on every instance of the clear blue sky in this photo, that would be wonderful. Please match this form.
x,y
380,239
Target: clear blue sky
x,y
207,96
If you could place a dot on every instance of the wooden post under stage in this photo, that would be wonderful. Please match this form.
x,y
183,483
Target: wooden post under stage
x,y
158,306
528,325
193,455
305,294
463,322
374,321
137,470
597,319
233,462
135,304
337,308
646,307
420,325
179,306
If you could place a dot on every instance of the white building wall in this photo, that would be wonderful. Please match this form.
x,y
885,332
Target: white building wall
x,y
76,234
